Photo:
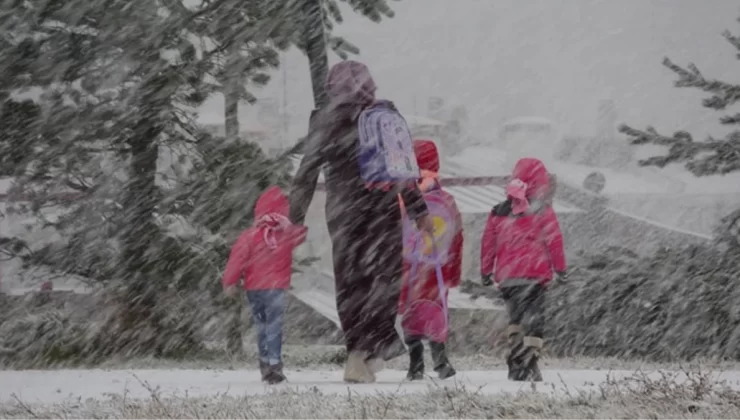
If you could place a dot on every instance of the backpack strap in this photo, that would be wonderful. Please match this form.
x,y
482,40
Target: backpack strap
x,y
440,282
414,270
402,205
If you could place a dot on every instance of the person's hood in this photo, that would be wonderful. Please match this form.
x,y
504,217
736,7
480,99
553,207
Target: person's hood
x,y
350,82
272,201
271,214
427,155
535,181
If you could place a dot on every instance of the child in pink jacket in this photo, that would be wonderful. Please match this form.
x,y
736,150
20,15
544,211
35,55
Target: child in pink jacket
x,y
262,257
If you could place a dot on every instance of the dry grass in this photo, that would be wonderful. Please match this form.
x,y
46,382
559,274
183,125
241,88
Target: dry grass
x,y
687,394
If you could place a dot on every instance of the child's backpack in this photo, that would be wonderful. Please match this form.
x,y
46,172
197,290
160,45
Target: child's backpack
x,y
425,318
445,228
386,150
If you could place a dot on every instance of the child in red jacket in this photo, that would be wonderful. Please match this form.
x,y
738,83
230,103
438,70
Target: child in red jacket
x,y
522,247
425,285
263,257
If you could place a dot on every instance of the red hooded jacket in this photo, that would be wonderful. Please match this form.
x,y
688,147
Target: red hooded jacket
x,y
526,246
263,254
425,285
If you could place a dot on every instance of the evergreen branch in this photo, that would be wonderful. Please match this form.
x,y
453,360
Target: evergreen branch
x,y
709,157
730,119
735,41
725,94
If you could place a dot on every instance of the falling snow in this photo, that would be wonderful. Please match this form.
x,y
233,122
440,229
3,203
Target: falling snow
x,y
137,140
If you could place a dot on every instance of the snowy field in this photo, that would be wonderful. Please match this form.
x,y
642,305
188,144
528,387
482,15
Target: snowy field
x,y
198,393
60,386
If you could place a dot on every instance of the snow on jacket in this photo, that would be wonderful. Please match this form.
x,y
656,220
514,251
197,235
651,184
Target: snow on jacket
x,y
263,254
425,285
522,240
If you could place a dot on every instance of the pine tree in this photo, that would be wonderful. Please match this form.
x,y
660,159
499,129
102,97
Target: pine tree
x,y
315,20
120,80
701,158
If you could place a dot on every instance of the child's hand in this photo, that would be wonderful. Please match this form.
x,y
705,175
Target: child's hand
x,y
231,291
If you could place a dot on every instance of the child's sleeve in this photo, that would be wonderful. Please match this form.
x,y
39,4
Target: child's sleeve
x,y
554,241
488,246
237,260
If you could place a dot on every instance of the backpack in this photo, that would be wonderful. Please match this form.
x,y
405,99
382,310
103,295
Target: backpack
x,y
433,251
386,150
426,318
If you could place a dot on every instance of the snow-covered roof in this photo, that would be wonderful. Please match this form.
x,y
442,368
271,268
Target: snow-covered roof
x,y
528,120
705,185
491,161
417,120
617,182
479,199
473,199
476,161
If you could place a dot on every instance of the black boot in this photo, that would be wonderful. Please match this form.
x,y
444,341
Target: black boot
x,y
523,360
441,363
445,371
513,359
535,375
416,360
264,370
415,375
275,374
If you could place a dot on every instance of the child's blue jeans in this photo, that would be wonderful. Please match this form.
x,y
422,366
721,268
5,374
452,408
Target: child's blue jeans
x,y
268,307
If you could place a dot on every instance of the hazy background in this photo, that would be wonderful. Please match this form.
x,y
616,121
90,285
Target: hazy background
x,y
557,59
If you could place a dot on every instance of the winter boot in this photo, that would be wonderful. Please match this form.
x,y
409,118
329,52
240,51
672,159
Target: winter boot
x,y
416,360
414,375
375,364
275,374
534,350
445,371
264,370
356,370
523,360
441,364
514,341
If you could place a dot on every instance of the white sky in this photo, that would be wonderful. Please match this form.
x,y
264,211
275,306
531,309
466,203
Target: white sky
x,y
557,59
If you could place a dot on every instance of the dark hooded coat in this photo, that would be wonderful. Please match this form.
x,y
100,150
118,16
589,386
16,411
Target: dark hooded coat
x,y
364,224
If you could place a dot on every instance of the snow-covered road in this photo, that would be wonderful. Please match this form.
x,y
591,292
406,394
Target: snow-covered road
x,y
55,386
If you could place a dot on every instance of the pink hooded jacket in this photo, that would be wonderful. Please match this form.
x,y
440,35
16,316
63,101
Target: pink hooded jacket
x,y
263,254
522,239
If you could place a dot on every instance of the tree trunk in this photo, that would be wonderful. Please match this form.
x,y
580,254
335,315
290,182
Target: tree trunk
x,y
138,321
231,98
318,60
140,199
233,307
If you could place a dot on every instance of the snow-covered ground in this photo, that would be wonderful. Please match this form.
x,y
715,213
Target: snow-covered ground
x,y
59,386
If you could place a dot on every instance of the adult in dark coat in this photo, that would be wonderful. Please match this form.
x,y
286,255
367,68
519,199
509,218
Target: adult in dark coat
x,y
364,224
